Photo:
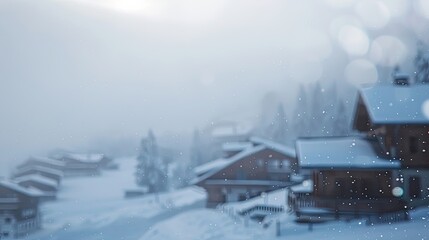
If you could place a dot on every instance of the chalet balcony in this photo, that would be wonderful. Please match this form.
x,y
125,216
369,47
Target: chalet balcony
x,y
301,202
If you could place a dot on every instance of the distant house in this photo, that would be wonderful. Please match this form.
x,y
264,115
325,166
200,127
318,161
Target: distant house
x,y
19,210
47,172
262,167
384,170
43,162
47,185
83,164
348,177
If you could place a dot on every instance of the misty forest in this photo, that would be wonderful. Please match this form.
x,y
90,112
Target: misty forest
x,y
144,119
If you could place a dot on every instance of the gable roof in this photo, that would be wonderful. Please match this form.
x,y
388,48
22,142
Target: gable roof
x,y
31,192
390,104
46,160
229,161
40,169
211,165
261,144
341,153
85,158
37,178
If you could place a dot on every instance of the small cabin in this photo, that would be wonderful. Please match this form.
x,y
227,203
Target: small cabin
x,y
44,184
264,167
397,117
19,210
347,177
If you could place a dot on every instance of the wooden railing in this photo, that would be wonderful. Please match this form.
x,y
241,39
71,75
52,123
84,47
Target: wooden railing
x,y
264,208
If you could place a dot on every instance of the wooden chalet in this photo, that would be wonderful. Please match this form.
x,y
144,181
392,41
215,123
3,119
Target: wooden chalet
x,y
383,170
262,167
19,210
43,162
347,177
397,116
83,164
44,184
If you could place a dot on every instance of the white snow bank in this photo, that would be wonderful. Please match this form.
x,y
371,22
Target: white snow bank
x,y
199,225
211,224
94,207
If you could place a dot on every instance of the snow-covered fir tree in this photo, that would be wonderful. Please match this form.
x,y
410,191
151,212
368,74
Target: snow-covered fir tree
x,y
321,114
421,63
280,130
341,125
151,169
196,154
301,117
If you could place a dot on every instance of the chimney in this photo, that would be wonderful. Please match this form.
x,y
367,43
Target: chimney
x,y
401,79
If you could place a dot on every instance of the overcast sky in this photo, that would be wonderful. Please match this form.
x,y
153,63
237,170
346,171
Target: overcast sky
x,y
75,70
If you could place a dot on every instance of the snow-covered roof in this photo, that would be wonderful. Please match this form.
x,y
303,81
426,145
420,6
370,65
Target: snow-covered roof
x,y
215,166
37,178
47,160
305,187
26,191
41,169
218,163
236,146
89,158
345,152
289,151
230,160
391,103
246,182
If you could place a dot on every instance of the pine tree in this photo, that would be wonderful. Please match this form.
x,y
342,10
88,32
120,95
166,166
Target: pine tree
x,y
151,171
341,123
301,116
329,110
264,126
421,63
317,116
280,129
197,157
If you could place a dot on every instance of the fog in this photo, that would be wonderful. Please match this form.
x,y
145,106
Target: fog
x,y
77,72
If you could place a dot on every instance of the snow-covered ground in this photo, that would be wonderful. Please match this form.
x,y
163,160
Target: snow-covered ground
x,y
205,224
92,208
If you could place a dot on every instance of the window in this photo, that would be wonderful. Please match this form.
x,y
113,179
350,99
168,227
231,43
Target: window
x,y
242,197
8,220
273,164
414,144
241,174
414,187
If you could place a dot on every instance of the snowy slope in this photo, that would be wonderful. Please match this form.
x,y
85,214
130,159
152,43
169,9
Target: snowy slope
x,y
199,224
205,224
94,208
